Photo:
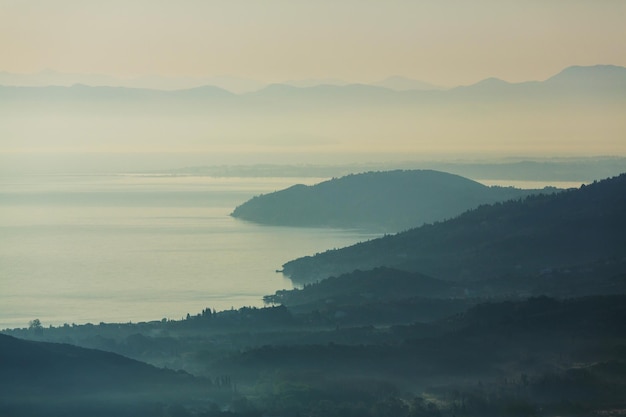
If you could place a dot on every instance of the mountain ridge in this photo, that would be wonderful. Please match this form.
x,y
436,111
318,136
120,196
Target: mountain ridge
x,y
44,378
526,237
572,74
386,200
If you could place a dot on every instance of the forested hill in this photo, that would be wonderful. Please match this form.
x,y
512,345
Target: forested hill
x,y
388,201
53,379
580,228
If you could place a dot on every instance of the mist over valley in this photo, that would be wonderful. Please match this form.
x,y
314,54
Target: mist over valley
x,y
305,209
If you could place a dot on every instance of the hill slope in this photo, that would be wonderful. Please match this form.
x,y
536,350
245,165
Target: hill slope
x,y
38,378
389,201
539,234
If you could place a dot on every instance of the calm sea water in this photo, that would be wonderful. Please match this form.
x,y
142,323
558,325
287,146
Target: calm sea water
x,y
119,248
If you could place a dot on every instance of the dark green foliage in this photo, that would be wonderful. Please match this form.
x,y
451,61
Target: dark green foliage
x,y
382,201
53,379
379,284
380,342
537,235
505,358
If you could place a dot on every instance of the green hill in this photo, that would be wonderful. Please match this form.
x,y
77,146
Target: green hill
x,y
40,378
385,201
542,234
537,357
380,284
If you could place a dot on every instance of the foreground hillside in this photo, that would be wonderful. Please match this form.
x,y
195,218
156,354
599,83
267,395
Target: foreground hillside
x,y
536,357
539,357
389,201
477,336
42,379
541,234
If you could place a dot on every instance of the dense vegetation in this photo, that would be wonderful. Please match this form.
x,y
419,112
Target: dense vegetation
x,y
539,356
541,233
523,313
41,378
388,201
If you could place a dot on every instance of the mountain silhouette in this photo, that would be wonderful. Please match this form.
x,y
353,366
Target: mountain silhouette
x,y
539,234
40,378
389,201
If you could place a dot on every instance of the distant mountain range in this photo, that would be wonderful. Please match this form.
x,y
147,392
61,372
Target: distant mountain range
x,y
562,234
577,112
384,201
235,85
54,78
540,170
576,76
575,89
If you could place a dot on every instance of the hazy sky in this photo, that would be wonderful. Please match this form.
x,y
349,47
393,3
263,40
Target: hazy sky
x,y
447,42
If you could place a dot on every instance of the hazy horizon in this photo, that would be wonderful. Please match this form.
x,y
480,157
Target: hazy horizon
x,y
238,85
445,43
179,185
245,46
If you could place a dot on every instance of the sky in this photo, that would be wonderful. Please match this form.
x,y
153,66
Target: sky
x,y
445,42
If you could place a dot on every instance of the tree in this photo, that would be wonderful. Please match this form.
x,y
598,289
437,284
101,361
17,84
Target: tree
x,y
35,326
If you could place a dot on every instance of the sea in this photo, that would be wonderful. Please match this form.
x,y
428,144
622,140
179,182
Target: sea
x,y
119,248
